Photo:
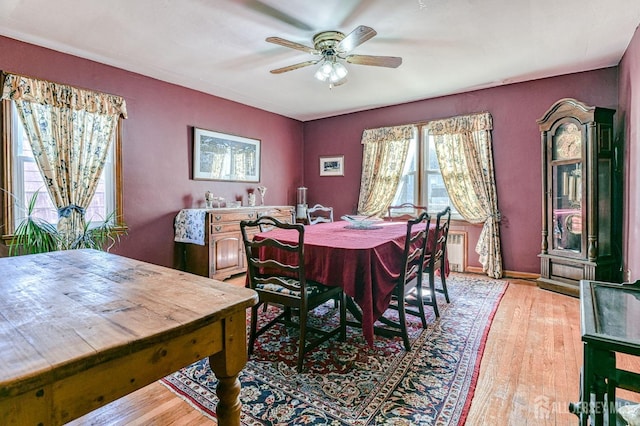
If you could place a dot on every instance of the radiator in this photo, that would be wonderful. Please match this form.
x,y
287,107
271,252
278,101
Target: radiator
x,y
457,250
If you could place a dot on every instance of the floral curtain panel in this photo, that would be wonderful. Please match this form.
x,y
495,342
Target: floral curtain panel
x,y
70,131
383,157
463,148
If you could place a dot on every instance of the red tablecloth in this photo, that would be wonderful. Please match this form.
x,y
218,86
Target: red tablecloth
x,y
364,262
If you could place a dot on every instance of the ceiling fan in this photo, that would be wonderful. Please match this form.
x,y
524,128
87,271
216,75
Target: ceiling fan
x,y
333,48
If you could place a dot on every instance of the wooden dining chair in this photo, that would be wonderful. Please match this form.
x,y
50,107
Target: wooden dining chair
x,y
276,272
435,261
404,212
319,214
410,279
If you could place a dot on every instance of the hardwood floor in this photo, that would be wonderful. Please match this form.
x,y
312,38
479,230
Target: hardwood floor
x,y
528,375
530,368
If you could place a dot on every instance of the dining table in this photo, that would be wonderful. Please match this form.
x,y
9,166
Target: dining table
x,y
81,328
364,261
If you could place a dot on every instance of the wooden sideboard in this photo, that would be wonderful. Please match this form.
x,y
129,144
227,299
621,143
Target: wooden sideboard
x,y
223,252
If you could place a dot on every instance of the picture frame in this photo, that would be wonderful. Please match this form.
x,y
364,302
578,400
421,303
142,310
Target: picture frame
x,y
332,166
224,157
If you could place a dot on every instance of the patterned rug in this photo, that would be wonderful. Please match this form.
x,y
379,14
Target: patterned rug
x,y
350,383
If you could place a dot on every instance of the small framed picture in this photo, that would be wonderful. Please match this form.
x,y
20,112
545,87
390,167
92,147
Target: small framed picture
x,y
219,156
332,166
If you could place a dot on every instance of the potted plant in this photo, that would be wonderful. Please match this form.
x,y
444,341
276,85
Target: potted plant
x,y
102,237
36,235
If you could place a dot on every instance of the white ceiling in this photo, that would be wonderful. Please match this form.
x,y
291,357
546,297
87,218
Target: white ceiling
x,y
218,46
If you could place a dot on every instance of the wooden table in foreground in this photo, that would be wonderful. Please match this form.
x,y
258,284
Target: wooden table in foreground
x,y
81,328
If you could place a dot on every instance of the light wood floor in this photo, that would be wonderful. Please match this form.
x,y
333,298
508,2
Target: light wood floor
x,y
528,376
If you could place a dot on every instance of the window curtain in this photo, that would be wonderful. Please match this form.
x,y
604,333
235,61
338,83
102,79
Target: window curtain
x,y
383,157
70,131
463,148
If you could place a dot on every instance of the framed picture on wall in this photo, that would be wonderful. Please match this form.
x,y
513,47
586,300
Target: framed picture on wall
x,y
332,166
219,156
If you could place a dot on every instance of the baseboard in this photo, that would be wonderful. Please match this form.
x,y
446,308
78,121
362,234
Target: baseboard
x,y
506,274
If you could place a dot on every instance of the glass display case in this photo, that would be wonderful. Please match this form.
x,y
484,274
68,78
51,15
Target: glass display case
x,y
566,165
579,239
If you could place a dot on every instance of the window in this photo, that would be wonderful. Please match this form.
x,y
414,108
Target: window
x,y
407,188
21,177
425,188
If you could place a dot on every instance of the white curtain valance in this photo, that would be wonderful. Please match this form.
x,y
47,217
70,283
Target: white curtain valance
x,y
385,134
467,123
19,87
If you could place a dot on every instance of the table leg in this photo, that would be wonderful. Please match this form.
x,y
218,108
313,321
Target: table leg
x,y
611,401
227,365
599,366
587,385
585,398
599,389
611,408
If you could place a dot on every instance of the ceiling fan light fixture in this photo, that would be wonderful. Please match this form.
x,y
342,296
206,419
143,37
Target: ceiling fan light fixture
x,y
331,72
323,72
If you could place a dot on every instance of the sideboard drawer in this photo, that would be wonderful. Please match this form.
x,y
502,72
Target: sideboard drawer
x,y
216,228
217,217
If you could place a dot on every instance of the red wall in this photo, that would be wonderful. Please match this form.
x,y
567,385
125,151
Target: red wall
x,y
157,143
157,146
629,121
516,149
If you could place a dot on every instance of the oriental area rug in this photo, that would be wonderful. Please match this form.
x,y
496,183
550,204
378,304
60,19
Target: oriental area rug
x,y
351,383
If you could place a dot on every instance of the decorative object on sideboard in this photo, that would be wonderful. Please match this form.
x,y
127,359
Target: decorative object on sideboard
x,y
208,200
218,156
332,166
301,207
218,201
251,197
262,190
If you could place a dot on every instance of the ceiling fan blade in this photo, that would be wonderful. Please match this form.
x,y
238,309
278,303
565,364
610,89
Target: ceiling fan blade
x,y
294,67
378,61
355,38
292,45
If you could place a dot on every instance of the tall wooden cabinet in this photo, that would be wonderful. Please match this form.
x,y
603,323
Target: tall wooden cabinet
x,y
223,253
581,235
